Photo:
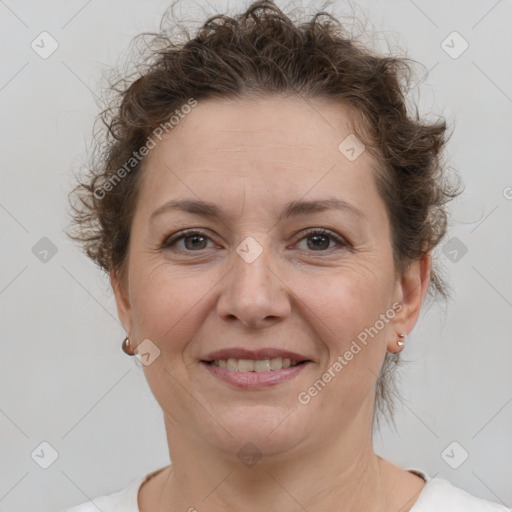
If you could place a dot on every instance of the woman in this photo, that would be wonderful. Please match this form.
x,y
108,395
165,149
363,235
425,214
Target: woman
x,y
266,210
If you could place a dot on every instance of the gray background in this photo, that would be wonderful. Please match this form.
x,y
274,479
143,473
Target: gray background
x,y
63,377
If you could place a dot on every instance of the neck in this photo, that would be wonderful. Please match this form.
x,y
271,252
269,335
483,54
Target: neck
x,y
341,476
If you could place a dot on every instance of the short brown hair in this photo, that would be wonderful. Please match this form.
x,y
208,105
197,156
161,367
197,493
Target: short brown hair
x,y
258,53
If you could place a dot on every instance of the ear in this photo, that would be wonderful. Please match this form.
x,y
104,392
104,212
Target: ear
x,y
121,294
412,288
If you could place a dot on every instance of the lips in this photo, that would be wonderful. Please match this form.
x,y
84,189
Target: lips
x,y
255,355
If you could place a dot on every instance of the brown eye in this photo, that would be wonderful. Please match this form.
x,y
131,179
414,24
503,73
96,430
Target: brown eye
x,y
194,240
319,240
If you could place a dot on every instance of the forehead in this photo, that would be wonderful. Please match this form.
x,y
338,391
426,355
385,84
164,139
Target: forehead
x,y
267,148
273,122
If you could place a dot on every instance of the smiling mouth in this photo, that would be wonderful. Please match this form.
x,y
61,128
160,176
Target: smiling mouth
x,y
251,365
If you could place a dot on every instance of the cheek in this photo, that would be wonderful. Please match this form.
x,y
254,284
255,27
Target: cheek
x,y
171,304
344,320
348,298
345,309
162,303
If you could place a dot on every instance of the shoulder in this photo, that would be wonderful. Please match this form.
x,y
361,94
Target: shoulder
x,y
124,500
439,495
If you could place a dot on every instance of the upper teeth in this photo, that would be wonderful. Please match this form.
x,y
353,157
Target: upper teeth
x,y
249,365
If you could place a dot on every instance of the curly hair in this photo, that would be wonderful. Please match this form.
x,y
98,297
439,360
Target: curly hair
x,y
255,54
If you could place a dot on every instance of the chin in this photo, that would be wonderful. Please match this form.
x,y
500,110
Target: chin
x,y
271,430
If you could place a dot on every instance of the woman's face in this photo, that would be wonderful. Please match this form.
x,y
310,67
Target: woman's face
x,y
260,276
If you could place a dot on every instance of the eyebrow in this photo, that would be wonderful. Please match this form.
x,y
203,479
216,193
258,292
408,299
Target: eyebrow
x,y
291,209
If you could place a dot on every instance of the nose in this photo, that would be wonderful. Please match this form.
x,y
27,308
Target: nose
x,y
253,294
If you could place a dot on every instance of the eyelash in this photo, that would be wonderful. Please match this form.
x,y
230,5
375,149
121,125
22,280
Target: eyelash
x,y
188,233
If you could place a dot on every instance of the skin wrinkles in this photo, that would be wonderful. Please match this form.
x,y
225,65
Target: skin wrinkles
x,y
250,160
